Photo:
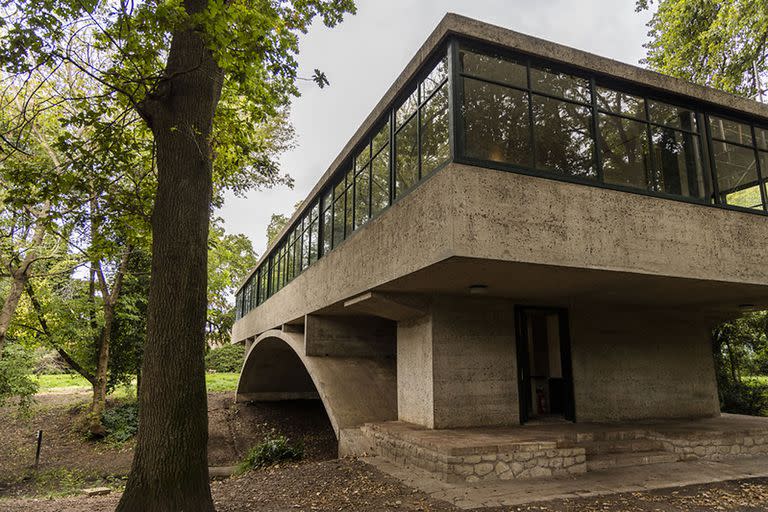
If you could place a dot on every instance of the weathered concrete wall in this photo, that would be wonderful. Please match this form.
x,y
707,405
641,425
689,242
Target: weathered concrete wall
x,y
456,366
480,213
515,217
415,384
349,336
475,363
634,364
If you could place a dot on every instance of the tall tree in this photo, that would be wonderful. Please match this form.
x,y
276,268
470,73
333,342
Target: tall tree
x,y
720,43
176,63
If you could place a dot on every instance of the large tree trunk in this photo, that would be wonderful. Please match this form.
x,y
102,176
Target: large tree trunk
x,y
170,465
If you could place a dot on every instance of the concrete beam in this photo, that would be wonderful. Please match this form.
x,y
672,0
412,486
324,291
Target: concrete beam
x,y
349,336
393,306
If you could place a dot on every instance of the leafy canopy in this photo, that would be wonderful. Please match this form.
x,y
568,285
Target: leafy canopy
x,y
719,43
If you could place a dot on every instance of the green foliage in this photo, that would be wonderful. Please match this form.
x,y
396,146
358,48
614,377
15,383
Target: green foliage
x,y
59,482
273,450
218,382
16,381
741,364
276,224
226,359
230,259
711,42
744,397
121,422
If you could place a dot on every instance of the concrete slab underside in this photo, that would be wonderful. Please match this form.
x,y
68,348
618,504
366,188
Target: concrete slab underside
x,y
594,483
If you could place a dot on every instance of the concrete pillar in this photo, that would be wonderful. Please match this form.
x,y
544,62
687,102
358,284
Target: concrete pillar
x,y
457,366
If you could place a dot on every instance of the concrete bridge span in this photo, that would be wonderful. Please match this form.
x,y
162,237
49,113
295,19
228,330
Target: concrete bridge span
x,y
354,389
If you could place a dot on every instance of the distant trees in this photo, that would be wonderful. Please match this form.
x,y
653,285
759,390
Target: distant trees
x,y
723,44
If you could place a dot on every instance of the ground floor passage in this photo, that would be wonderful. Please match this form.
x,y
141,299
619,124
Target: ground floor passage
x,y
525,378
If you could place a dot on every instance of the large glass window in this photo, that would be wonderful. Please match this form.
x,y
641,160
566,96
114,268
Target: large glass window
x,y
327,223
380,174
736,163
338,213
493,68
362,194
678,166
496,123
435,147
407,156
625,151
563,137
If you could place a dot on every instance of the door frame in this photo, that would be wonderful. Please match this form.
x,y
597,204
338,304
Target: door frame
x,y
523,360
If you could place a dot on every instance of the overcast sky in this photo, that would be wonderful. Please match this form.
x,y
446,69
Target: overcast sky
x,y
364,55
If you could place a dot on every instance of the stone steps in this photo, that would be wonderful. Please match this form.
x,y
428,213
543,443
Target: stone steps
x,y
619,460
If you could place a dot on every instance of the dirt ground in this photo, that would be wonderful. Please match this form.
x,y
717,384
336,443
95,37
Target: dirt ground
x,y
68,459
318,483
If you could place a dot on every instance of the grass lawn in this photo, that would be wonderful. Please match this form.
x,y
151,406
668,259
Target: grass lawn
x,y
67,382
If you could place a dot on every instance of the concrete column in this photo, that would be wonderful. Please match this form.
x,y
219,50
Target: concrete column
x,y
457,366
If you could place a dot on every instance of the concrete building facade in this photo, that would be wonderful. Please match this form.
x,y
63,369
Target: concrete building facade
x,y
519,232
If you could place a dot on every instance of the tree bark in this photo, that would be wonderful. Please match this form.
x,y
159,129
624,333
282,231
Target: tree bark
x,y
170,464
102,359
20,276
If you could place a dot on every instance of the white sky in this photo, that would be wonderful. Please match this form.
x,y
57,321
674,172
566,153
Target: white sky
x,y
364,55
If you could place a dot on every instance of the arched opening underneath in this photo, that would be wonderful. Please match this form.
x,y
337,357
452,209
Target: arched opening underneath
x,y
353,390
277,396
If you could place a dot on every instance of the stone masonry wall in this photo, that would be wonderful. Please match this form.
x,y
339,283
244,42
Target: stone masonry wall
x,y
715,447
523,460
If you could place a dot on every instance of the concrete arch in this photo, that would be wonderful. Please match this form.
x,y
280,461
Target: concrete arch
x,y
354,390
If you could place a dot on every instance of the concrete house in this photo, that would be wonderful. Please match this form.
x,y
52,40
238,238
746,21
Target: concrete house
x,y
521,236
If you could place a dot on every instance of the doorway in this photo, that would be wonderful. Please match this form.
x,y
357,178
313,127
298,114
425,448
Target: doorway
x,y
545,374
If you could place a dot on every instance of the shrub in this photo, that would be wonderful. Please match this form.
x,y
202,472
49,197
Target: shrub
x,y
121,422
16,381
228,358
274,449
744,398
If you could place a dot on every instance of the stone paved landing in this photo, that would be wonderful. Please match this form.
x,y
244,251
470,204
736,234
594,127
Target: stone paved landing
x,y
563,449
593,483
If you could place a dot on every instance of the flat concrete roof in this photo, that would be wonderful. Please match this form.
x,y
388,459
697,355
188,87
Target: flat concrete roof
x,y
456,25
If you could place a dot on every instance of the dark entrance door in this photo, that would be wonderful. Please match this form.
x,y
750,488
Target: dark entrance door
x,y
545,375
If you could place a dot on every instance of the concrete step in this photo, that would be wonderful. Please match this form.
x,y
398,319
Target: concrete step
x,y
621,446
620,460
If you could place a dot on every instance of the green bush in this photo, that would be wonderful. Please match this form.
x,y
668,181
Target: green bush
x,y
16,381
274,449
226,359
744,398
121,422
